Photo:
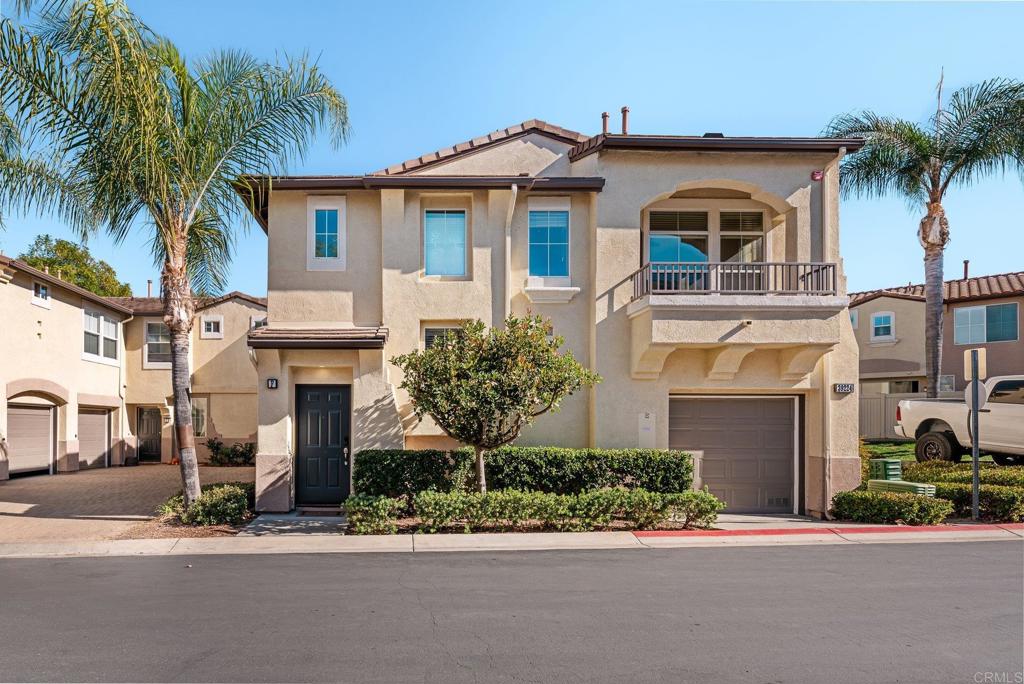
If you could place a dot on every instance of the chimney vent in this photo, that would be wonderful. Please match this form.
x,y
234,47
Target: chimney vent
x,y
604,123
714,135
967,263
625,121
149,288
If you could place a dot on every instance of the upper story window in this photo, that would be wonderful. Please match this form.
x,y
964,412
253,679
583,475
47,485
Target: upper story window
x,y
883,326
41,294
325,233
981,324
444,242
157,351
1008,392
742,236
433,335
212,327
549,238
678,236
257,322
100,335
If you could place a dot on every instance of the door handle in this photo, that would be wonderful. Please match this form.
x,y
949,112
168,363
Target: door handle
x,y
345,452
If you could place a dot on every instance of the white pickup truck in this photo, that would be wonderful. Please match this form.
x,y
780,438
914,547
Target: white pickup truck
x,y
941,427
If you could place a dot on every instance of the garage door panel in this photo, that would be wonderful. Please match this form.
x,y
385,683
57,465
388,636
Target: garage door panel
x,y
745,469
93,438
29,437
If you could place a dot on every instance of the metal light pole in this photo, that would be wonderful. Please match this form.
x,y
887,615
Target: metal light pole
x,y
975,477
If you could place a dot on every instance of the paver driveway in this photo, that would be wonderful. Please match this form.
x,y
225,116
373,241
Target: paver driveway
x,y
92,504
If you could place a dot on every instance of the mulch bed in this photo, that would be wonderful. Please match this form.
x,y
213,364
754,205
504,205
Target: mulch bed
x,y
169,527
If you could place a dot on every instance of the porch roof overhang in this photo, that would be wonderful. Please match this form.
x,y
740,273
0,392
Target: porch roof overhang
x,y
318,338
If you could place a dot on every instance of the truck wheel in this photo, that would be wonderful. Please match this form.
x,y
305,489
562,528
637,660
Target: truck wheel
x,y
1008,459
935,446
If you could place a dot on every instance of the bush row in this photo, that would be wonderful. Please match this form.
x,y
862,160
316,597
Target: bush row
x,y
942,471
404,473
220,503
237,454
995,502
890,507
513,509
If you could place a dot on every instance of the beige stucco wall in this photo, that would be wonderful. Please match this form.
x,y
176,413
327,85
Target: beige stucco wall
x,y
899,359
41,362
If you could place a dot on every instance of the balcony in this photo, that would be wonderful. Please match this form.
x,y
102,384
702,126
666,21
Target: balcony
x,y
733,278
727,311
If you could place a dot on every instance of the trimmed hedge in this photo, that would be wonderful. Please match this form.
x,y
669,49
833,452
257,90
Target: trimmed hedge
x,y
890,507
220,503
942,471
404,473
372,514
995,502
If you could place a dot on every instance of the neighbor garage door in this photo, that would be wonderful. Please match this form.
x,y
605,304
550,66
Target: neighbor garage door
x,y
748,445
30,438
93,438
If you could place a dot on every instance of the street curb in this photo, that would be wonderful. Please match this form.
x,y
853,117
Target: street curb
x,y
852,529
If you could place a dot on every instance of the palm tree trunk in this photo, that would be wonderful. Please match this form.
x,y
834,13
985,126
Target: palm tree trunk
x,y
481,475
933,234
178,311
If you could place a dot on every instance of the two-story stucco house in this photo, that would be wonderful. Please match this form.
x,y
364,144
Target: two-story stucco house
x,y
979,312
699,276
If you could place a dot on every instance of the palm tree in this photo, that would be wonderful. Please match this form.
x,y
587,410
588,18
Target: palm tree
x,y
978,132
113,129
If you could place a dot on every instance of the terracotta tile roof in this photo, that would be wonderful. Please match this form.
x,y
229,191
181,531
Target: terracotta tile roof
x,y
476,144
109,302
318,338
980,287
147,306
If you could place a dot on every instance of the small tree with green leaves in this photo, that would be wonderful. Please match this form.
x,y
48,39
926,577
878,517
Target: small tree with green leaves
x,y
74,263
483,386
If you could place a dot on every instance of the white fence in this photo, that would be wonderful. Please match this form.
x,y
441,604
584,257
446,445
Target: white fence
x,y
878,413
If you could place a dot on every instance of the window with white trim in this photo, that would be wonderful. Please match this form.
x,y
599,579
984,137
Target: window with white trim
x,y
200,409
947,383
549,238
883,326
987,323
434,334
444,242
741,236
212,327
157,351
325,233
41,294
100,336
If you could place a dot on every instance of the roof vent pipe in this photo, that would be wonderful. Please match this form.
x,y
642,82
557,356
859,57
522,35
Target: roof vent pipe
x,y
149,288
967,263
625,121
604,123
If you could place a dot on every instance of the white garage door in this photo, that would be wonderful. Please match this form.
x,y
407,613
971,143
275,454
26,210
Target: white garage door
x,y
749,445
29,438
93,438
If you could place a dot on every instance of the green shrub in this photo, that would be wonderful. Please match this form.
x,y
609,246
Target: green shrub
x,y
995,502
237,454
890,507
591,510
222,503
372,514
942,471
404,473
175,504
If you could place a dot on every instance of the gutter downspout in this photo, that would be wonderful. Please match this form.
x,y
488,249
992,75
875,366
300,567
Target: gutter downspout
x,y
508,250
826,366
123,422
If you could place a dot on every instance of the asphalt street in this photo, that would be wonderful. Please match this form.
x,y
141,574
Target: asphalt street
x,y
937,612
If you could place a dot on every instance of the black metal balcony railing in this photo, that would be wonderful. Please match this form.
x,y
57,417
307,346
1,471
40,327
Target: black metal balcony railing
x,y
707,277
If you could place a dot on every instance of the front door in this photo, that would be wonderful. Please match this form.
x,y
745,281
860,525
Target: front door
x,y
149,426
322,468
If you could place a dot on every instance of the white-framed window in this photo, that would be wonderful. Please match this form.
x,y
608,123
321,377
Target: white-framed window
x,y
444,242
883,326
854,318
200,410
325,233
257,322
212,327
41,294
947,383
100,334
549,239
156,353
986,323
741,236
677,236
434,333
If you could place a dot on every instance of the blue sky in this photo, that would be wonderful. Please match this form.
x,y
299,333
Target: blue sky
x,y
422,75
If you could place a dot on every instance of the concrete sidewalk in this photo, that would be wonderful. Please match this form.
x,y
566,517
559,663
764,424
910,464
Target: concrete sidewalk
x,y
409,543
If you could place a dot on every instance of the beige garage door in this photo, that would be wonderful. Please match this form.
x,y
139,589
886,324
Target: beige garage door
x,y
29,437
748,445
93,438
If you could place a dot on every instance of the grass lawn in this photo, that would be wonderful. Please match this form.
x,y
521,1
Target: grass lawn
x,y
900,450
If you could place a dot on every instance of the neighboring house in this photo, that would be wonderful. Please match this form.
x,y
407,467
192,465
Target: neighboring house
x,y
700,276
61,374
980,312
223,374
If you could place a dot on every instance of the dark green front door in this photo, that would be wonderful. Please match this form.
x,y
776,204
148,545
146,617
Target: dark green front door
x,y
322,468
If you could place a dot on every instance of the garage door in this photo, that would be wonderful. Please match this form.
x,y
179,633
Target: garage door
x,y
30,438
93,438
748,446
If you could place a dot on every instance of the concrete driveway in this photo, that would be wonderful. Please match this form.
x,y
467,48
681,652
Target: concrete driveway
x,y
93,504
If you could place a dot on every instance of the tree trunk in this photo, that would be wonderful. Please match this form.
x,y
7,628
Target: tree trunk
x,y
933,234
178,311
481,475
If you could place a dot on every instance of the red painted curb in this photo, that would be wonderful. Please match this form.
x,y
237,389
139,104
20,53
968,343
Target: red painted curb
x,y
827,530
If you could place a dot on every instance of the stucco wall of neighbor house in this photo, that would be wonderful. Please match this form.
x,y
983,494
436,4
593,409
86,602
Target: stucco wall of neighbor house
x,y
1002,358
41,363
902,358
532,154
